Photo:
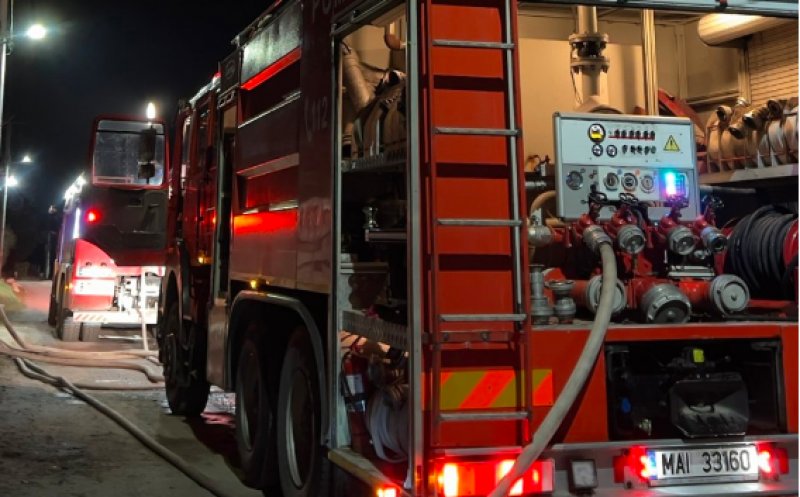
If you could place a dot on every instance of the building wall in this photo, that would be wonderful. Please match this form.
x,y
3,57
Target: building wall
x,y
546,80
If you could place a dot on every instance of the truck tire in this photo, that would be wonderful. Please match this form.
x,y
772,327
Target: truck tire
x,y
90,332
255,415
53,308
58,308
302,465
67,329
184,368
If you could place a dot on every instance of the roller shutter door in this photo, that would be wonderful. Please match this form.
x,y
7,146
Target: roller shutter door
x,y
772,57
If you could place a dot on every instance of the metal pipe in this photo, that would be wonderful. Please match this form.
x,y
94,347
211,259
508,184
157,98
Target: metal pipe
x,y
728,190
357,87
587,57
649,62
540,200
587,19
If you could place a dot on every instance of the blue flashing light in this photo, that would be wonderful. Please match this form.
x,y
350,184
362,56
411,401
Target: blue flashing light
x,y
671,184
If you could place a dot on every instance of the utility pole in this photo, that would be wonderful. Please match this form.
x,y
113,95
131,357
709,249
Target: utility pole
x,y
7,161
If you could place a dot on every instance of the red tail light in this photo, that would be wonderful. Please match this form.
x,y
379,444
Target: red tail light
x,y
504,467
637,462
92,216
386,492
449,480
470,478
772,461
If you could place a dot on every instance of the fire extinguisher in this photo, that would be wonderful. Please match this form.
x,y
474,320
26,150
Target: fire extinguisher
x,y
354,386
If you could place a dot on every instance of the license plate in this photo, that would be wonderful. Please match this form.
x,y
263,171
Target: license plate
x,y
709,465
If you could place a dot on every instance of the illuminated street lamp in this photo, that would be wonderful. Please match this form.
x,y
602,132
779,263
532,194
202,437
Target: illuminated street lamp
x,y
36,32
10,182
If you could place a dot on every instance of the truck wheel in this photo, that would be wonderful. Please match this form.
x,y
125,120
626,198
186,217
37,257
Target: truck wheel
x,y
184,368
90,332
51,311
57,308
303,467
255,415
67,329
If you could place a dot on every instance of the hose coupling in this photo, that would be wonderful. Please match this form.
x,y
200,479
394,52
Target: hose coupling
x,y
564,305
539,236
541,310
631,239
713,239
681,240
729,294
594,236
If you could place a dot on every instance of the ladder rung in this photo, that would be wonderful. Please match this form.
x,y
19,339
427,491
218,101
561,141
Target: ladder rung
x,y
473,44
477,131
483,416
483,317
479,222
474,336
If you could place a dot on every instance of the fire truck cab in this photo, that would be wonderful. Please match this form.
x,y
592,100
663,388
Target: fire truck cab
x,y
354,255
110,256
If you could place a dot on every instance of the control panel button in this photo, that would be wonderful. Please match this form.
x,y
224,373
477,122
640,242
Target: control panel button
x,y
611,181
575,180
647,183
611,150
629,182
597,150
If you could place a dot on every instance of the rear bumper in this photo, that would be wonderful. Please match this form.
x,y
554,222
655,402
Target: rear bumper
x,y
604,454
115,318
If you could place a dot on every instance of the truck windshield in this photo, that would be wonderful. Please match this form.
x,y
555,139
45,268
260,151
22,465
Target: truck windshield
x,y
116,153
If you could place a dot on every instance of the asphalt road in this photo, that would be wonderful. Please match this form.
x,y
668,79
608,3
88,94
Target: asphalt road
x,y
54,445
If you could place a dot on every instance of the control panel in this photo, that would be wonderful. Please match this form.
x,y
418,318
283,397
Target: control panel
x,y
652,158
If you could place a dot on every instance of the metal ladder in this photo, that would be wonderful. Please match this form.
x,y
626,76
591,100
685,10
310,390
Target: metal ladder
x,y
448,330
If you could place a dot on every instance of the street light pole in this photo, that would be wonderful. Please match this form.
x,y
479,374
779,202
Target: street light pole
x,y
5,32
7,161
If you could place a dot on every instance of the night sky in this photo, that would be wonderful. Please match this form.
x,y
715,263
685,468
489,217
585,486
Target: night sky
x,y
109,56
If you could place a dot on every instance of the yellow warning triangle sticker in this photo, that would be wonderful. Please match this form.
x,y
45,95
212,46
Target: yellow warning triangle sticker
x,y
672,145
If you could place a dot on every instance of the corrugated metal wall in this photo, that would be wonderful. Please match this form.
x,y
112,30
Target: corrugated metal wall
x,y
772,56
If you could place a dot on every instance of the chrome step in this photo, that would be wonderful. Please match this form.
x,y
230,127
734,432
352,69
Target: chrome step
x,y
476,131
473,44
479,222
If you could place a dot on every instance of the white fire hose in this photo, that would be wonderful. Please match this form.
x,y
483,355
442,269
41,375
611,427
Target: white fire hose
x,y
102,359
112,359
552,421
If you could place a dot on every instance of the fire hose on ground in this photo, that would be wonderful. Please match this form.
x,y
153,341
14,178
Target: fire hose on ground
x,y
599,241
113,359
23,356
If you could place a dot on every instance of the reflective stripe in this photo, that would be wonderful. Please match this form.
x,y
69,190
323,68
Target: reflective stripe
x,y
497,389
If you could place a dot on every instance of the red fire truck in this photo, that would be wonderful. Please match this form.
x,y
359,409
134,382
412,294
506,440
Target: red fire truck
x,y
349,250
110,256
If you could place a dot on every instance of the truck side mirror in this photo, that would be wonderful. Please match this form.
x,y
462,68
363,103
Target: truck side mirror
x,y
147,153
